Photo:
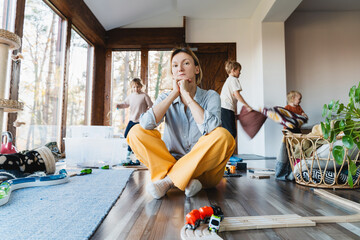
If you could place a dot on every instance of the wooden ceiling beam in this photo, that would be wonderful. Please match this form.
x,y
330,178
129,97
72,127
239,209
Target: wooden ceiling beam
x,y
137,37
82,18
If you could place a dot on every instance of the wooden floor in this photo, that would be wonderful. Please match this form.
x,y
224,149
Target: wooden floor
x,y
136,215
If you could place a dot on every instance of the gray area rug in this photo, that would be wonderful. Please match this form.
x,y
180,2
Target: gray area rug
x,y
72,210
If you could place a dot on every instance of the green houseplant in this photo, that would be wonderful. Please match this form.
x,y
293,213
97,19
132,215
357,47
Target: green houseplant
x,y
344,120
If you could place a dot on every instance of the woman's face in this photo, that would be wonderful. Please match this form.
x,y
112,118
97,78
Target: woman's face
x,y
183,67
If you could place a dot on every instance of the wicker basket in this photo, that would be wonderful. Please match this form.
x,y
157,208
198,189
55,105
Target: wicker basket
x,y
313,164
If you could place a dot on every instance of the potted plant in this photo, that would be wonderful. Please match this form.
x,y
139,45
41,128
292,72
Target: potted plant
x,y
344,121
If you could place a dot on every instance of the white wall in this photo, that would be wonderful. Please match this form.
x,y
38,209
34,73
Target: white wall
x,y
229,30
261,51
274,77
322,57
239,31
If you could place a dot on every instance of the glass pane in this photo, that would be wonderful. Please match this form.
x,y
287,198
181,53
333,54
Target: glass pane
x,y
125,67
7,14
40,85
159,79
78,75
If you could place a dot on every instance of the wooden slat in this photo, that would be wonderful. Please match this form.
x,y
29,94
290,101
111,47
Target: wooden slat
x,y
84,20
138,37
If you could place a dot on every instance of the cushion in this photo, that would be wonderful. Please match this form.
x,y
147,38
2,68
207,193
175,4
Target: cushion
x,y
251,121
285,117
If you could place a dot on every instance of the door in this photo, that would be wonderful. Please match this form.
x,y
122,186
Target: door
x,y
212,57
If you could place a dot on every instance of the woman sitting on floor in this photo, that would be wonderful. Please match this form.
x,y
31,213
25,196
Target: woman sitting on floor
x,y
195,149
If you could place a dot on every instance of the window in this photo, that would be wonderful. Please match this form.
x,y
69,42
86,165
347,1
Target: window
x,y
125,67
159,79
79,81
7,14
40,87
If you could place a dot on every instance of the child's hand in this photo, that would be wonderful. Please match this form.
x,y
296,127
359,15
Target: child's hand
x,y
249,108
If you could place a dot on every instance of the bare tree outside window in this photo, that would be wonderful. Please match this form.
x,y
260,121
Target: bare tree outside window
x,y
125,67
159,78
77,81
40,76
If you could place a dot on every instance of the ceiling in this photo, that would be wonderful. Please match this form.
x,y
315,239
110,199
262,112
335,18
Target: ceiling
x,y
169,13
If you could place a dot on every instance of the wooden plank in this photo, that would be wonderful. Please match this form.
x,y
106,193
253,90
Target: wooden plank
x,y
138,37
262,222
85,21
259,176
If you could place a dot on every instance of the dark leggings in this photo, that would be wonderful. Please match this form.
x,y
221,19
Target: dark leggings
x,y
228,121
128,127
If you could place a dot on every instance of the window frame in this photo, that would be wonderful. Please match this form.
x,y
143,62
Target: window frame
x,y
15,71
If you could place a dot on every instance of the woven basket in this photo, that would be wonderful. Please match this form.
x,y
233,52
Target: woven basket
x,y
11,105
10,39
313,164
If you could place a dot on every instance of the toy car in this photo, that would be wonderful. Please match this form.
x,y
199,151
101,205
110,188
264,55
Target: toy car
x,y
214,223
217,211
193,219
205,213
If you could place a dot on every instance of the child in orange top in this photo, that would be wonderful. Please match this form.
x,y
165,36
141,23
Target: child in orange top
x,y
294,100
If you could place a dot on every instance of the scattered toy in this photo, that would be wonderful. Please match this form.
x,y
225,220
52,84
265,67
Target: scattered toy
x,y
105,167
259,176
230,171
8,186
85,171
262,171
204,214
234,159
193,219
131,163
214,223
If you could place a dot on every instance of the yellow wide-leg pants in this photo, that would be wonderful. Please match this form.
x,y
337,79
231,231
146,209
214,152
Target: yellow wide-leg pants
x,y
206,161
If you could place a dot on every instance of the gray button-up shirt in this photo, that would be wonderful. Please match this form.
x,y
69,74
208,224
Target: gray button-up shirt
x,y
181,131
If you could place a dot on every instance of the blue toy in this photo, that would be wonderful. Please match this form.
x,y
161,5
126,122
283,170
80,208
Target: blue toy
x,y
8,186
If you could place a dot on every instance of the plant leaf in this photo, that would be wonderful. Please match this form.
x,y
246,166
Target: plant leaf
x,y
357,95
324,110
352,92
342,125
324,130
357,143
331,104
348,142
338,153
350,179
336,106
332,135
341,107
352,166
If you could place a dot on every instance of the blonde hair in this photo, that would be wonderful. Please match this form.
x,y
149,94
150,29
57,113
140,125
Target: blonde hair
x,y
291,95
230,65
187,50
